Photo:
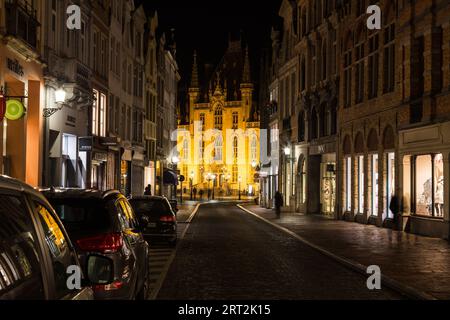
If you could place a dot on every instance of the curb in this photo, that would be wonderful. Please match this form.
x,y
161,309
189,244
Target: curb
x,y
408,291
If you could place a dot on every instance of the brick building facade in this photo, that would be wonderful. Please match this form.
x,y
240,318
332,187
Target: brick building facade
x,y
370,117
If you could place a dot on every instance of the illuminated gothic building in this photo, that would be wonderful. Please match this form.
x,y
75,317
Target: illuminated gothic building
x,y
218,145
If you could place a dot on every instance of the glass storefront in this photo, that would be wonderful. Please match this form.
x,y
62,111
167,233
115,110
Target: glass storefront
x,y
374,177
390,182
429,185
348,184
125,177
328,187
360,172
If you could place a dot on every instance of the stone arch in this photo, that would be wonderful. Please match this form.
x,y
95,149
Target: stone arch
x,y
359,143
372,141
347,146
388,138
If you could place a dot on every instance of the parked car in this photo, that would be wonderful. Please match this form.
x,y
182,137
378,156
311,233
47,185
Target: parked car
x,y
157,218
104,223
36,252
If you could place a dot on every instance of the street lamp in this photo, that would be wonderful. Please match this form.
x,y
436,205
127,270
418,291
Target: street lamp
x,y
60,96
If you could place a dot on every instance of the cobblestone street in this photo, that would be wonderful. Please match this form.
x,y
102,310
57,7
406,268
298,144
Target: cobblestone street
x,y
228,254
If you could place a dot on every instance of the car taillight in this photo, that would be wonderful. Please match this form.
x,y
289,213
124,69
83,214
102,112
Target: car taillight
x,y
167,219
116,285
105,243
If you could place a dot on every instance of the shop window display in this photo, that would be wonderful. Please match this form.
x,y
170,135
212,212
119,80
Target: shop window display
x,y
429,185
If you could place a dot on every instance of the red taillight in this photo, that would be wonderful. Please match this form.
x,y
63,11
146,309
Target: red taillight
x,y
116,285
105,243
167,219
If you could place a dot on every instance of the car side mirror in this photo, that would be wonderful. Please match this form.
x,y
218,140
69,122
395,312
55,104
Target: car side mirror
x,y
100,270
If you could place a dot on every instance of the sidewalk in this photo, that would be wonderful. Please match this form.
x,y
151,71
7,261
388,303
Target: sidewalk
x,y
418,262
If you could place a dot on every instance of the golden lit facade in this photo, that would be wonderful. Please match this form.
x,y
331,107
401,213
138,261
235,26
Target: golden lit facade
x,y
219,143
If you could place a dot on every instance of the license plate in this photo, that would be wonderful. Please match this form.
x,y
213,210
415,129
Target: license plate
x,y
152,225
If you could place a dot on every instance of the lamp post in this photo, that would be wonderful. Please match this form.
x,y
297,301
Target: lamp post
x,y
208,178
175,161
191,181
240,180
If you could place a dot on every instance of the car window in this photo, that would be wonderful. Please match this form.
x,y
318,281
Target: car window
x,y
82,217
20,270
154,208
61,254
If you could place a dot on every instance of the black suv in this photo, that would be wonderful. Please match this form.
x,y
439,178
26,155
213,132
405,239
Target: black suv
x,y
104,223
35,252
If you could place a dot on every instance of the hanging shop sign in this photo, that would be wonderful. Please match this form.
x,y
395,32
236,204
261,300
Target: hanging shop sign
x,y
85,144
14,110
15,67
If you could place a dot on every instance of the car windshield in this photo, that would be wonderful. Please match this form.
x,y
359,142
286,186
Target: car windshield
x,y
153,208
83,216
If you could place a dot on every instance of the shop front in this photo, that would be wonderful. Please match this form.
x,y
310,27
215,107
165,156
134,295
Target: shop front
x,y
321,179
125,172
21,125
425,174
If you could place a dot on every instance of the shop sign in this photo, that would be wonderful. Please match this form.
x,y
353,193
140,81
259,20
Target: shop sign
x,y
109,141
85,144
101,157
15,67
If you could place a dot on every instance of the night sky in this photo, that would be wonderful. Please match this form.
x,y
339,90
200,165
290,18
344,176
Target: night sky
x,y
206,25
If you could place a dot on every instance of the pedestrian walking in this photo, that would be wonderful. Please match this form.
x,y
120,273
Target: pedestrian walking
x,y
394,206
200,193
194,191
278,203
148,190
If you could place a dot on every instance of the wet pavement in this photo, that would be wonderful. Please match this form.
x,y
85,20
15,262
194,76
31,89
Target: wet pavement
x,y
419,262
229,254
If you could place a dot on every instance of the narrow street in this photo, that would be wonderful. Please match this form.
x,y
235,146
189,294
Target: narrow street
x,y
228,254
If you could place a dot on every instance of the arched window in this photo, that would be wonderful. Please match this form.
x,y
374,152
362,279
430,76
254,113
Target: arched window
x,y
185,149
303,74
235,148
218,144
254,149
218,118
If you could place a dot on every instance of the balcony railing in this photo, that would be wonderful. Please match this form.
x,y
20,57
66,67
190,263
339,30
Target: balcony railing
x,y
21,21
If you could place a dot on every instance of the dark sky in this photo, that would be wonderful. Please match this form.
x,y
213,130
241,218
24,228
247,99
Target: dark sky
x,y
205,26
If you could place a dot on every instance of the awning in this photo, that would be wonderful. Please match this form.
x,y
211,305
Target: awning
x,y
170,177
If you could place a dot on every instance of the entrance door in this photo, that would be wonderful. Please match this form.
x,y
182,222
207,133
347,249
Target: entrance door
x,y
328,188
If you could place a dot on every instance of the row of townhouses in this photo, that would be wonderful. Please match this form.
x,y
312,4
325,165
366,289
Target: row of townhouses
x,y
357,116
99,100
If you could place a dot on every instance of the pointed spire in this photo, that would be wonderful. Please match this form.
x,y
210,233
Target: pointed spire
x,y
246,77
194,78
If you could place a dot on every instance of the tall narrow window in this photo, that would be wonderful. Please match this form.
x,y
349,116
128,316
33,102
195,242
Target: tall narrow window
x,y
218,145
374,185
347,78
218,120
254,149
235,148
359,81
360,165
102,116
373,66
235,120
389,58
95,113
348,184
186,149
